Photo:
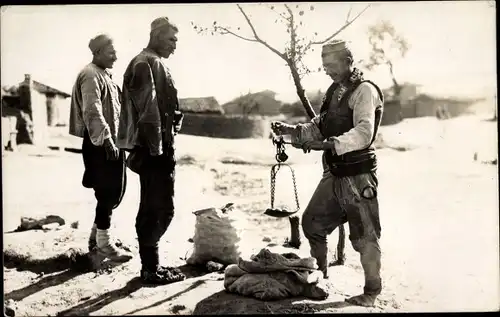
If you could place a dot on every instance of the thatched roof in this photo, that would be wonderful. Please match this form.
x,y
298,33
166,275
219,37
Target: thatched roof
x,y
44,89
200,105
259,103
254,96
12,91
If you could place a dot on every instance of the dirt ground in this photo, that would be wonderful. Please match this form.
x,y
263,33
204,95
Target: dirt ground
x,y
439,213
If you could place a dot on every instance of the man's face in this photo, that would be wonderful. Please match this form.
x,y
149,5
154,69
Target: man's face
x,y
107,56
166,42
336,66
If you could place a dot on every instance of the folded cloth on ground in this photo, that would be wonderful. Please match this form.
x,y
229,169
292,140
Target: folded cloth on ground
x,y
272,276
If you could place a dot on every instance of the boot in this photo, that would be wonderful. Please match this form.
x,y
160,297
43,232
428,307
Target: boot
x,y
161,276
153,273
164,270
109,250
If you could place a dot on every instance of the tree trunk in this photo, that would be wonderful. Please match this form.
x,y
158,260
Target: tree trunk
x,y
396,86
300,90
294,241
340,256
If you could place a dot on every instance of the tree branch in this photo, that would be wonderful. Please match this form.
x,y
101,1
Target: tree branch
x,y
227,31
278,13
348,14
343,27
257,38
293,35
289,10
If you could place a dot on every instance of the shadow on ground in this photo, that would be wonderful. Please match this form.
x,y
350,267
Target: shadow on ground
x,y
67,266
43,283
76,260
132,286
192,271
71,150
224,303
193,285
95,304
492,119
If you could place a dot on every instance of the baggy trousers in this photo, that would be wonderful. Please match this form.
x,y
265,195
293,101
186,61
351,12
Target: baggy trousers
x,y
352,199
108,179
156,208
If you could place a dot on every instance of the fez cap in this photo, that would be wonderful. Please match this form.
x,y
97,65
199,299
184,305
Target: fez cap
x,y
98,42
160,22
335,46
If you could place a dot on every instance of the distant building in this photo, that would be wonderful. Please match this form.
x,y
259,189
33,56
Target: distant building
x,y
296,109
203,105
408,93
397,110
262,103
36,107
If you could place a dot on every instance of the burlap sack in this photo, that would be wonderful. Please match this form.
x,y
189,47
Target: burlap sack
x,y
217,237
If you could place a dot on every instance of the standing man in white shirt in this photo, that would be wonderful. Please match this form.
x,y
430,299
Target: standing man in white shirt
x,y
345,131
94,114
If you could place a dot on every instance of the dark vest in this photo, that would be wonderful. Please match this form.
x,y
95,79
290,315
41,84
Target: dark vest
x,y
338,120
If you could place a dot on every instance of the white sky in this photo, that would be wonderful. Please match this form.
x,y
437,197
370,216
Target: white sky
x,y
453,45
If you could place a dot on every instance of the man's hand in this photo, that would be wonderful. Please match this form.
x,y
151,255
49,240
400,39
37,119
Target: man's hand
x,y
112,152
281,127
178,118
317,146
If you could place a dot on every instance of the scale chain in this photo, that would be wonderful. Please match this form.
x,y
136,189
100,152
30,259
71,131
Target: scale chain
x,y
273,183
274,172
295,189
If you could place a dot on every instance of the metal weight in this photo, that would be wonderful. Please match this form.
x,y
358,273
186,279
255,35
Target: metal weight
x,y
282,157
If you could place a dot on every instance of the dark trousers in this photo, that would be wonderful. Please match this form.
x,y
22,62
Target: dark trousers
x,y
107,178
349,199
156,208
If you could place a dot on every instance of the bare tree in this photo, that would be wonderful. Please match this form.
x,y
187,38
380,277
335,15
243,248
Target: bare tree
x,y
387,46
293,54
296,47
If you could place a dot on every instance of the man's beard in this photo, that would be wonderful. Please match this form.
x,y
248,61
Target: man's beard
x,y
165,52
338,78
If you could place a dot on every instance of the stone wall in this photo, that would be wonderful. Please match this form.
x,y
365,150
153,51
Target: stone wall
x,y
221,126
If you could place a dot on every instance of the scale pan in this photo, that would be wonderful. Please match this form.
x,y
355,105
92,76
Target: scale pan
x,y
279,213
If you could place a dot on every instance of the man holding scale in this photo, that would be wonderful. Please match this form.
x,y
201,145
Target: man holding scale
x,y
345,131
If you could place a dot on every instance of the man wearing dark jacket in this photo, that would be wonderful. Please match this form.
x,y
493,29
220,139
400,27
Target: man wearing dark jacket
x,y
149,121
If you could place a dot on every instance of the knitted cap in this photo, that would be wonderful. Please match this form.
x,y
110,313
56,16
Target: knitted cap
x,y
334,47
160,22
99,42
